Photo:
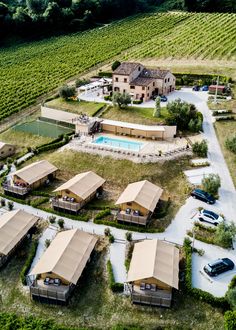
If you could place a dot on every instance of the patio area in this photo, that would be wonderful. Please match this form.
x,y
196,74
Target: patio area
x,y
151,151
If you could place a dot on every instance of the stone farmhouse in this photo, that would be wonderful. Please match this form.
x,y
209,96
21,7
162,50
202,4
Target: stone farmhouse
x,y
142,83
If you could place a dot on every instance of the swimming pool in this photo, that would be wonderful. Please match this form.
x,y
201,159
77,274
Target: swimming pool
x,y
118,143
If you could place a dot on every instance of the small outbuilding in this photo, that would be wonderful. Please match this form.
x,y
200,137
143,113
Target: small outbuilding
x,y
137,202
75,193
57,272
6,150
30,177
153,273
14,226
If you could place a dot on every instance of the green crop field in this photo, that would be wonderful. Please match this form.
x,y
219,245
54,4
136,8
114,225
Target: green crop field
x,y
30,70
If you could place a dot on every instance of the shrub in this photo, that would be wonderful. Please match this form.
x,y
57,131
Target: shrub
x,y
137,101
200,148
115,65
128,236
230,320
28,262
81,82
10,205
39,201
225,234
52,219
3,202
108,98
157,109
232,283
230,144
211,183
67,91
102,214
115,287
107,231
111,239
61,223
47,242
231,297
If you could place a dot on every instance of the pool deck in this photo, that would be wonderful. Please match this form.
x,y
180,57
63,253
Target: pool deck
x,y
150,151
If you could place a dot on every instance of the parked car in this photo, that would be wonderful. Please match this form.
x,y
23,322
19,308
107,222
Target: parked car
x,y
163,98
203,196
205,88
218,266
211,217
196,88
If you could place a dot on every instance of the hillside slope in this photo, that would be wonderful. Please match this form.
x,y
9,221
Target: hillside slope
x,y
30,70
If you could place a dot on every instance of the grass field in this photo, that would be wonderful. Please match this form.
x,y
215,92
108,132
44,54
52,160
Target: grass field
x,y
119,173
90,108
135,115
30,70
42,128
224,130
93,306
23,140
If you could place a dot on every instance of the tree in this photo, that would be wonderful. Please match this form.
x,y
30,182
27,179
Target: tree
x,y
122,100
3,202
181,113
230,144
61,223
10,205
107,231
128,236
157,109
52,219
200,148
47,242
225,234
115,65
67,91
231,297
211,183
36,6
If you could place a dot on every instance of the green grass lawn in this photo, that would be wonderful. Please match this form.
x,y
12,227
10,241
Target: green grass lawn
x,y
90,108
22,139
119,173
136,115
224,130
94,306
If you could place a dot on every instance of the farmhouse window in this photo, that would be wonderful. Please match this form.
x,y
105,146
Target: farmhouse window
x,y
132,87
117,79
143,88
125,80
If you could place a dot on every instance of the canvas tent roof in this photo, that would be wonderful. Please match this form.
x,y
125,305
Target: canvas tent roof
x,y
143,193
35,171
83,184
155,258
67,255
14,225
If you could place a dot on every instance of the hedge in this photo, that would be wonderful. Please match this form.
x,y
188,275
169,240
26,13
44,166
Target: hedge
x,y
40,193
198,293
137,101
113,285
98,110
190,78
225,118
14,199
79,217
230,320
128,227
102,214
28,261
105,74
39,201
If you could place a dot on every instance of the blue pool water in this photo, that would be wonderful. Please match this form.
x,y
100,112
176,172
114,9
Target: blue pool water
x,y
118,143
